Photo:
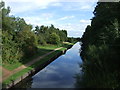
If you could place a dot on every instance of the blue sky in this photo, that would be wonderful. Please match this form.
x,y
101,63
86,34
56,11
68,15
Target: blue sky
x,y
70,15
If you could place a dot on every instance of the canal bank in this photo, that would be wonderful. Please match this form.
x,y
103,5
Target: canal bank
x,y
33,69
58,74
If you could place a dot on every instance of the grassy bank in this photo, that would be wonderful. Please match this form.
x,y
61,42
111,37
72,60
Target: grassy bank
x,y
41,51
45,49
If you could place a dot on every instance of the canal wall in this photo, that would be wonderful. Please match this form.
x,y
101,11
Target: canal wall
x,y
34,71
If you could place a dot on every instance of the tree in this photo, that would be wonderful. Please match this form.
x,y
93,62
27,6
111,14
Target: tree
x,y
20,41
101,47
54,39
17,38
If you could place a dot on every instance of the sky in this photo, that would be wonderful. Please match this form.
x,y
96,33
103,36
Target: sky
x,y
70,15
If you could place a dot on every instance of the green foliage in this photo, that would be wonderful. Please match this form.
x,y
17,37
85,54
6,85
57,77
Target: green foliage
x,y
54,39
72,40
41,40
10,52
46,36
101,48
20,41
17,38
26,70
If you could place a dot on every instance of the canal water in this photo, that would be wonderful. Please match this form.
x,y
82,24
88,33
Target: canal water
x,y
60,73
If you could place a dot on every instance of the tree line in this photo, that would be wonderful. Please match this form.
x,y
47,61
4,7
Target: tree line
x,y
100,50
20,40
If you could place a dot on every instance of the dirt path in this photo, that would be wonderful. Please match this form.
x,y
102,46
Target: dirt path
x,y
7,73
4,72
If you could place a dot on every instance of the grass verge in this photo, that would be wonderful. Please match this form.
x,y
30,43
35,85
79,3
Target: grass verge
x,y
35,65
41,51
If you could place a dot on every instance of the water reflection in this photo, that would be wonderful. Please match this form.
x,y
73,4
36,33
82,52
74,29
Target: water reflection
x,y
61,72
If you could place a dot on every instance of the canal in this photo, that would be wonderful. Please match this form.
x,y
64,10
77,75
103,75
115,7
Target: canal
x,y
58,74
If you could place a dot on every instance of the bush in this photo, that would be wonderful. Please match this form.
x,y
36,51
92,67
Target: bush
x,y
54,39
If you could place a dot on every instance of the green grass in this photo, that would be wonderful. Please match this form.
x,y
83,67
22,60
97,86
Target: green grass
x,y
35,65
40,62
0,60
0,73
11,66
17,75
49,47
41,51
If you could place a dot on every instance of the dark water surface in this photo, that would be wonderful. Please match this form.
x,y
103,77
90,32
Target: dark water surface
x,y
60,73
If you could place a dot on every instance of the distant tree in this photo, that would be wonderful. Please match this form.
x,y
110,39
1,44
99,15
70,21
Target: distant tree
x,y
54,39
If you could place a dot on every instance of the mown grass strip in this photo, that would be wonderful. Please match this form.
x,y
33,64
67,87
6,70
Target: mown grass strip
x,y
41,51
35,65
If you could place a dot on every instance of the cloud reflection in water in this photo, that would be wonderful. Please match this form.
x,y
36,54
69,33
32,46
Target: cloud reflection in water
x,y
60,73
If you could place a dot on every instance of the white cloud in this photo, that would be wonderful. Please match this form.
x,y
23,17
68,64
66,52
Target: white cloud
x,y
78,0
57,4
36,20
47,16
66,17
51,0
21,6
85,21
33,20
77,33
35,1
86,7
75,29
80,5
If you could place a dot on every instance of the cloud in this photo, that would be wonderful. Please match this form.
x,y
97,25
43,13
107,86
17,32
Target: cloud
x,y
21,6
52,0
36,20
57,4
86,7
66,17
75,5
85,21
47,16
72,29
47,12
